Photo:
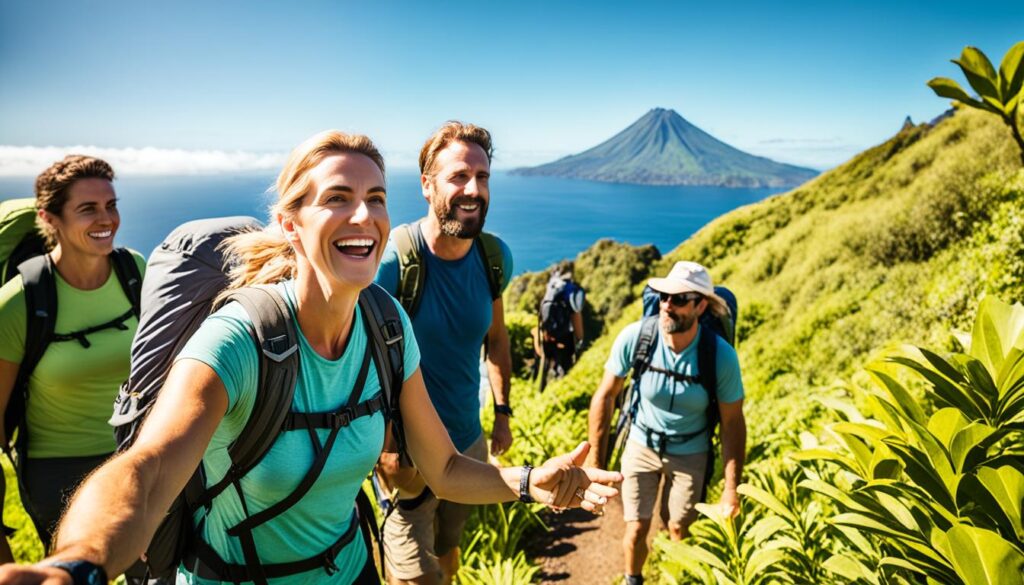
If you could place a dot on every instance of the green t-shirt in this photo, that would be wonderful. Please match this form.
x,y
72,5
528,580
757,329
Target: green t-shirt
x,y
317,520
72,390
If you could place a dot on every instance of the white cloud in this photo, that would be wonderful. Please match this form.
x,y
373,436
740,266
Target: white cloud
x,y
21,161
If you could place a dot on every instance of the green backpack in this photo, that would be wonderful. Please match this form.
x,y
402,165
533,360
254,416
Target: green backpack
x,y
19,237
412,272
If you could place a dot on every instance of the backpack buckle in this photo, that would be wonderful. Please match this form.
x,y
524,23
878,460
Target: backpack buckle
x,y
392,332
277,348
339,420
330,567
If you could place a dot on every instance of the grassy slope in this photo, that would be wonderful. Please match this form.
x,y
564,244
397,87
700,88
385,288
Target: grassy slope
x,y
897,245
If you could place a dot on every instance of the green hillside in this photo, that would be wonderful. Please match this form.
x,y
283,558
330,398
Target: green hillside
x,y
662,148
897,245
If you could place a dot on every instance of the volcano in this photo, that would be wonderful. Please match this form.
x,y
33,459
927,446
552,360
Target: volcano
x,y
662,148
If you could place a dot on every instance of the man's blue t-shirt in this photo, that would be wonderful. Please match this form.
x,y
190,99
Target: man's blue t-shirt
x,y
689,402
317,520
451,321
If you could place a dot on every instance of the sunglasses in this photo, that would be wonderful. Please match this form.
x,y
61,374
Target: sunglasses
x,y
680,299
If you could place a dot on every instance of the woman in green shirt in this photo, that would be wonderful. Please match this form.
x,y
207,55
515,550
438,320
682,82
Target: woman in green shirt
x,y
71,390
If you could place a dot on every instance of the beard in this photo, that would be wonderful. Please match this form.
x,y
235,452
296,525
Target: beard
x,y
448,218
672,323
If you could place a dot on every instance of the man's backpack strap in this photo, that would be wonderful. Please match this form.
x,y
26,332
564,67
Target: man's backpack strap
x,y
494,261
707,373
645,344
386,335
128,276
40,286
409,241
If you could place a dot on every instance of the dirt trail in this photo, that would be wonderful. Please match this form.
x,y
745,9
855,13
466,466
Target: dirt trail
x,y
581,549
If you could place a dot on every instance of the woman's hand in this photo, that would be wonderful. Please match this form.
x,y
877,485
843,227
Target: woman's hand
x,y
561,482
11,574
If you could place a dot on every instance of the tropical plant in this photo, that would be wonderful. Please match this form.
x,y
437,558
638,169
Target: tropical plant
x,y
999,93
491,545
941,492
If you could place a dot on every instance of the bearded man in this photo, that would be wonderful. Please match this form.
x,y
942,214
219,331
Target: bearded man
x,y
667,448
449,275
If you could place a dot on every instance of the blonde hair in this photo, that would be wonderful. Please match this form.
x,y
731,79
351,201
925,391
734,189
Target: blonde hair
x,y
53,184
453,131
265,256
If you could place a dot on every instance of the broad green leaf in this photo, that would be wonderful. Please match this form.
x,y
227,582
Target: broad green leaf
x,y
863,430
945,423
826,455
1011,70
925,474
888,528
844,407
761,560
997,327
942,366
703,556
949,392
884,466
901,564
765,528
979,72
982,557
768,501
850,569
830,491
858,540
947,88
1010,379
982,383
1006,485
900,397
899,511
970,437
861,452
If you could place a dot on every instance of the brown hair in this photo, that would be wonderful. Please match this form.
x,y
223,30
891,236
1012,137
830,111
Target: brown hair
x,y
53,184
452,131
265,256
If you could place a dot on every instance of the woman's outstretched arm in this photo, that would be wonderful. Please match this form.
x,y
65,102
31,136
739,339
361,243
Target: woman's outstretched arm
x,y
558,482
115,513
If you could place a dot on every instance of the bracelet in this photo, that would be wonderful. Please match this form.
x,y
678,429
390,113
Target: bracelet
x,y
82,572
503,409
524,484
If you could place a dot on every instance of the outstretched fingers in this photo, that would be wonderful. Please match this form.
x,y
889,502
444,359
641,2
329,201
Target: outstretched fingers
x,y
600,476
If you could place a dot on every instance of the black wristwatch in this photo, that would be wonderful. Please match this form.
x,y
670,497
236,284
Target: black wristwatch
x,y
82,572
503,409
524,484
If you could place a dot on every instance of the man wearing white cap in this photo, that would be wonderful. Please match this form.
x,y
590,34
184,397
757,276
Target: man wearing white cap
x,y
669,436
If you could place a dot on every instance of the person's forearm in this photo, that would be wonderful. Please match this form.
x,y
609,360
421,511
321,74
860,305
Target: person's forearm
x,y
600,411
115,513
499,369
468,481
734,443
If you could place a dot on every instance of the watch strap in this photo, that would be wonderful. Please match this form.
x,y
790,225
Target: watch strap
x,y
503,409
82,572
524,484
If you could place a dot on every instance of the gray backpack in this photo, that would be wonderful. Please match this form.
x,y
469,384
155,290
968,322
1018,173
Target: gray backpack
x,y
184,276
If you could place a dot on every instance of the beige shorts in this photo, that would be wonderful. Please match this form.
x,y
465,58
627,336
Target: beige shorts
x,y
642,472
414,538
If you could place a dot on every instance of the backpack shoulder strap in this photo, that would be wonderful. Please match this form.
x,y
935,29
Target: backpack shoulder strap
x,y
707,362
645,346
40,286
386,336
494,260
412,273
128,276
276,338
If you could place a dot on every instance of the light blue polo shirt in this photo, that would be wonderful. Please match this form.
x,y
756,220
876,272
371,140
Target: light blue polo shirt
x,y
451,321
689,402
317,520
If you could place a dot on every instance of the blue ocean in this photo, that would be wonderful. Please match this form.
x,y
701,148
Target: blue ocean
x,y
542,219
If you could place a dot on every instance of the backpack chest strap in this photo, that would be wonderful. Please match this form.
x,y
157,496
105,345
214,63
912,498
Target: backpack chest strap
x,y
334,419
681,378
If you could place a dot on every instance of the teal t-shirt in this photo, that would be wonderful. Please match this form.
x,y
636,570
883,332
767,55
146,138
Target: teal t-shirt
x,y
223,342
689,402
450,323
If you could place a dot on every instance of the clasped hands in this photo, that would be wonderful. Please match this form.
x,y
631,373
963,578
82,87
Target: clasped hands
x,y
562,483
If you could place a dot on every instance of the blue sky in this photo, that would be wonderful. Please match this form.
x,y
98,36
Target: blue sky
x,y
804,82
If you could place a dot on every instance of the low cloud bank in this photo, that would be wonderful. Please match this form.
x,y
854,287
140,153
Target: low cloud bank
x,y
21,161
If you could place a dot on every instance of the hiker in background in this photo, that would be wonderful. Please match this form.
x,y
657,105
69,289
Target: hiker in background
x,y
66,324
558,337
330,222
449,275
686,378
